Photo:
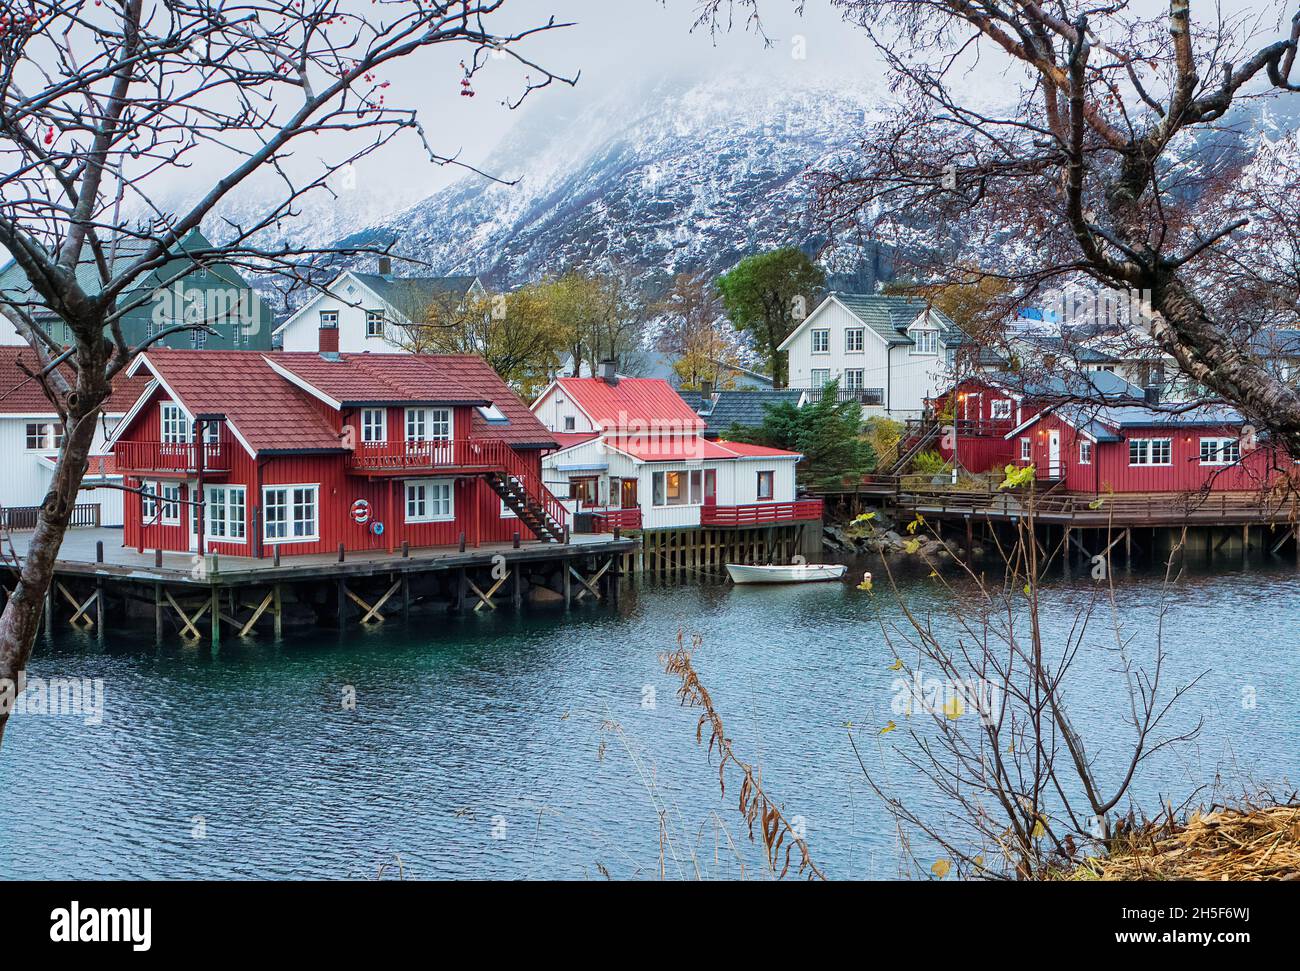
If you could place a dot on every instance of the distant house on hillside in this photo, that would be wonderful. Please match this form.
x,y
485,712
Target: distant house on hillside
x,y
660,365
361,312
216,295
890,353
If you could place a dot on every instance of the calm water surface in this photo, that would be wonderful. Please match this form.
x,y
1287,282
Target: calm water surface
x,y
550,746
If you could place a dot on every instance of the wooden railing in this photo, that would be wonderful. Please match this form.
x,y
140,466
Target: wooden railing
x,y
864,396
171,456
24,517
1121,508
608,519
761,513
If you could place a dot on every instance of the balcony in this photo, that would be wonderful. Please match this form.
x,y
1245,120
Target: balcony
x,y
863,396
401,458
761,513
607,520
172,458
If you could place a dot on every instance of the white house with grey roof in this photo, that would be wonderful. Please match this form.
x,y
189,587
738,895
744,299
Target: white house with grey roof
x,y
891,353
361,312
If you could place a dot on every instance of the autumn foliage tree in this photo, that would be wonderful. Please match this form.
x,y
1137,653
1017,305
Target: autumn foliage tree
x,y
102,103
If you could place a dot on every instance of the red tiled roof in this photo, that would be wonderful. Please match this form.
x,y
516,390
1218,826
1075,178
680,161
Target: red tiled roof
x,y
274,414
570,439
355,379
22,395
100,466
632,402
745,450
268,412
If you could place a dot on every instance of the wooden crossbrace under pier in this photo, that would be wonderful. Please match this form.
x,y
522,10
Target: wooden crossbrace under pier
x,y
202,601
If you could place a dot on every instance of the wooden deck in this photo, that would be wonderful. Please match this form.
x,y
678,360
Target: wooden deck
x,y
79,551
1087,511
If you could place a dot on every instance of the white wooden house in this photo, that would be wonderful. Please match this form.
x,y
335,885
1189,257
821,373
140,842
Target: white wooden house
x,y
633,452
361,312
890,353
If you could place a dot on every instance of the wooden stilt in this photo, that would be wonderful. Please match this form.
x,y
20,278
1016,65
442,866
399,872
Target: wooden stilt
x,y
343,603
278,607
216,617
157,615
517,595
568,585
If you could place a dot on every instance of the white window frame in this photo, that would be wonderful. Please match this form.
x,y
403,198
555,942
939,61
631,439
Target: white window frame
x,y
441,424
1085,452
374,317
416,424
812,377
1145,452
1026,449
291,504
149,503
48,435
1219,444
169,494
419,494
822,336
570,423
369,426
232,503
854,380
855,340
694,488
329,320
925,342
999,409
173,425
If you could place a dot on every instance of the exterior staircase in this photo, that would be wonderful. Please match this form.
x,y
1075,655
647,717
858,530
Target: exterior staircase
x,y
536,507
912,444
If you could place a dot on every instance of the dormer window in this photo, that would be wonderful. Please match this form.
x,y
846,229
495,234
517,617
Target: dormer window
x,y
925,340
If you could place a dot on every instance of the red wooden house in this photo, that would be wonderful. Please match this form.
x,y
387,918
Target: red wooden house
x,y
1139,449
984,409
238,452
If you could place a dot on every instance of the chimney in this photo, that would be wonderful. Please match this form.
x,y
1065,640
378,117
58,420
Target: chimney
x,y
706,388
1151,394
385,266
608,372
329,340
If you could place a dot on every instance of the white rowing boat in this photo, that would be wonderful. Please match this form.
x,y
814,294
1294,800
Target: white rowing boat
x,y
794,573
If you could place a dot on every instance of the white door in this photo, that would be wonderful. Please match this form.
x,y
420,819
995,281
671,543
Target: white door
x,y
1054,454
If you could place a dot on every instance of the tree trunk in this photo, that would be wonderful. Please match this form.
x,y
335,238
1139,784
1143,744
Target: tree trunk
x,y
21,619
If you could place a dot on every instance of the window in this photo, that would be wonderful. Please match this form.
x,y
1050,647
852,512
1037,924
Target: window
x,y
1150,451
853,379
1220,451
1085,453
44,436
570,423
148,503
853,339
198,339
225,513
926,341
175,426
766,485
821,341
374,425
586,489
425,425
999,408
171,502
290,513
440,424
430,502
329,320
820,377
374,323
679,488
1026,450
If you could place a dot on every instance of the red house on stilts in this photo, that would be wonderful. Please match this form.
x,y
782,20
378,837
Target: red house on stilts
x,y
240,452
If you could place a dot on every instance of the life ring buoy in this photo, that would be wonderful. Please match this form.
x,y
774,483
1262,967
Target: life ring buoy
x,y
361,512
377,528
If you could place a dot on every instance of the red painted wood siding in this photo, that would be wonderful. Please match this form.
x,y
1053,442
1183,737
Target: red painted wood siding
x,y
1110,470
477,509
974,412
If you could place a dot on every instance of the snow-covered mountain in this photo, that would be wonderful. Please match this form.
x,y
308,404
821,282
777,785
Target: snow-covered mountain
x,y
663,177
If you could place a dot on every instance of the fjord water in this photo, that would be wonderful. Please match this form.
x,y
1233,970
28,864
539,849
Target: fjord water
x,y
551,745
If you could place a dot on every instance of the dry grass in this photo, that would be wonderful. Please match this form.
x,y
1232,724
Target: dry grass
x,y
1247,843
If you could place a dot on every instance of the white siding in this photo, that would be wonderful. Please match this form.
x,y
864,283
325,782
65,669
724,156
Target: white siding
x,y
25,478
554,406
350,300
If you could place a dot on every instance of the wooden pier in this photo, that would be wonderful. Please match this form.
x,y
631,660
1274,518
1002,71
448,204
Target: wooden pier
x,y
99,585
